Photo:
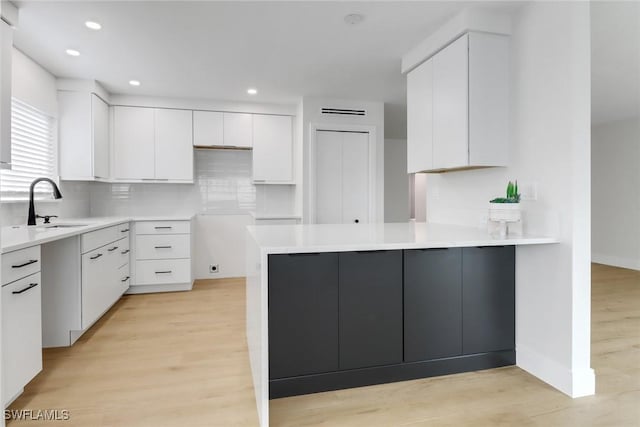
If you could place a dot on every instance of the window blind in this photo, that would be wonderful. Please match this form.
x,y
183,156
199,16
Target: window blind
x,y
32,151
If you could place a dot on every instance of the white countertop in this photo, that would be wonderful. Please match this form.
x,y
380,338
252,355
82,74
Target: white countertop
x,y
273,239
22,236
257,215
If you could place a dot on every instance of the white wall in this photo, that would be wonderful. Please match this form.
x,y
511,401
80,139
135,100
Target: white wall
x,y
550,149
396,181
311,108
615,193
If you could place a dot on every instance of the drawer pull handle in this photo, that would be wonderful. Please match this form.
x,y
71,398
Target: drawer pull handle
x,y
112,249
95,256
163,247
125,279
163,227
31,261
124,230
31,286
164,272
126,251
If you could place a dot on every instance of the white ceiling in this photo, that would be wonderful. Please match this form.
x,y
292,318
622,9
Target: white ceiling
x,y
615,60
217,50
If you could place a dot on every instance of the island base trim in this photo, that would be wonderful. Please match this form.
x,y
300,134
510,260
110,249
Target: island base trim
x,y
329,381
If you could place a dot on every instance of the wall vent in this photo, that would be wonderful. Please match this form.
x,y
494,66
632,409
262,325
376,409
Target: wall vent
x,y
343,111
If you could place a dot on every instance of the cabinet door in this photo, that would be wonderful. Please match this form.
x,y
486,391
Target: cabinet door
x,y
133,143
488,302
355,177
451,105
370,309
21,334
303,314
272,148
432,303
174,145
208,129
100,132
420,118
96,278
238,130
6,48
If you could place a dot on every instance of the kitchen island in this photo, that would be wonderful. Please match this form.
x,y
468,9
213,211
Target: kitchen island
x,y
340,306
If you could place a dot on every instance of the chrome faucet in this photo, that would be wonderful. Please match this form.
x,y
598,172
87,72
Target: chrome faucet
x,y
32,209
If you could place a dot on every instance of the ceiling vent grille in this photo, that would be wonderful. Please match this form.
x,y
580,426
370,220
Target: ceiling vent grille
x,y
343,111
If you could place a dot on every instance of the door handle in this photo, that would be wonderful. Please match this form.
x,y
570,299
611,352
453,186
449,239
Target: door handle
x,y
163,247
31,286
95,256
31,261
164,227
163,272
125,279
112,249
124,230
126,251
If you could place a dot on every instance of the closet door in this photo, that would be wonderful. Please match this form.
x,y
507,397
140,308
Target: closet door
x,y
355,177
328,177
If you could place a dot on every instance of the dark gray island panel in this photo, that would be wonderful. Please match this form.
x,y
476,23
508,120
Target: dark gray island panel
x,y
370,309
488,303
303,314
432,303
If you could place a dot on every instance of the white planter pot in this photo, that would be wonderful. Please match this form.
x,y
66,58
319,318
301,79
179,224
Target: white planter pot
x,y
505,212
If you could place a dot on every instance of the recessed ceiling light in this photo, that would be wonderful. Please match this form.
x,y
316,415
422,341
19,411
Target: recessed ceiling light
x,y
252,91
134,82
93,25
72,52
354,18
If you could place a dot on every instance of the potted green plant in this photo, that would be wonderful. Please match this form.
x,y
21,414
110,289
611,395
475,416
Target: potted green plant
x,y
506,209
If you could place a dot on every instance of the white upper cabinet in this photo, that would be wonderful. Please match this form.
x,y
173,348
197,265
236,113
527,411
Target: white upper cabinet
x,y
6,47
174,148
272,149
100,129
208,130
83,136
420,117
153,144
133,143
237,130
457,106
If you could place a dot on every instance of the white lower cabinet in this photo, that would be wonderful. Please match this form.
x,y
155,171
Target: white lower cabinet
x,y
21,325
85,276
162,251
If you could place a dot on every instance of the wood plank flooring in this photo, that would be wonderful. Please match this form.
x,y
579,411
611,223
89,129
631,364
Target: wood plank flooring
x,y
180,360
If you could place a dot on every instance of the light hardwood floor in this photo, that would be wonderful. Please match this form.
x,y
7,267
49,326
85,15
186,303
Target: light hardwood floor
x,y
180,360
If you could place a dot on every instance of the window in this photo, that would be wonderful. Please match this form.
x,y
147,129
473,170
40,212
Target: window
x,y
32,152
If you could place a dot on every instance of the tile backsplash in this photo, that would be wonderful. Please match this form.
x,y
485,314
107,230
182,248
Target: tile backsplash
x,y
222,185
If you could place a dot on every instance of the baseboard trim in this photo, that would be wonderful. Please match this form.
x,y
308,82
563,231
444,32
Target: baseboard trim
x,y
307,384
574,383
150,289
615,261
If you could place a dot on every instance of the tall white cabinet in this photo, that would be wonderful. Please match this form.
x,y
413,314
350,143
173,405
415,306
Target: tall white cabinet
x,y
152,144
457,106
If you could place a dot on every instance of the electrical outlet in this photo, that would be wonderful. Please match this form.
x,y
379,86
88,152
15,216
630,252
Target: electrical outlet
x,y
214,268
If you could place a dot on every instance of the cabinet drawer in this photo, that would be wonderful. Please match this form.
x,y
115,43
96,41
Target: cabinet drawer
x,y
166,246
158,272
163,227
95,239
124,278
21,334
19,264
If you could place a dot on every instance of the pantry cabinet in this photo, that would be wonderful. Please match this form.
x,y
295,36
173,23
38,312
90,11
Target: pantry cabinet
x,y
152,144
457,106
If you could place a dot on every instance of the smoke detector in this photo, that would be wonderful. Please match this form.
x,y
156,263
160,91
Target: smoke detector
x,y
353,19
